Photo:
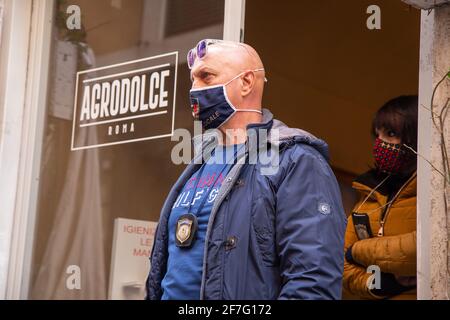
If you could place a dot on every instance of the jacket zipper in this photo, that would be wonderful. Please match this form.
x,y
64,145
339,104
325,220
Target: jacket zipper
x,y
386,211
229,181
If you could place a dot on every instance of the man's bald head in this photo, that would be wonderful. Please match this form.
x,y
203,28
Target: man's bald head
x,y
223,61
238,55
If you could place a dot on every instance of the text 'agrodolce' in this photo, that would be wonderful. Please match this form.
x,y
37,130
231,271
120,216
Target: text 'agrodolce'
x,y
124,96
125,102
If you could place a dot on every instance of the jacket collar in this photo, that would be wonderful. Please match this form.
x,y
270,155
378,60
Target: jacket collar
x,y
204,143
366,182
284,135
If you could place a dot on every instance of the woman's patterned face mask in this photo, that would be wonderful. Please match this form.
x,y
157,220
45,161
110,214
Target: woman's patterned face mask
x,y
389,157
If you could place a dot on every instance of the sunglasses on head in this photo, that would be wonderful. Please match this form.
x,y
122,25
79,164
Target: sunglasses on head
x,y
200,51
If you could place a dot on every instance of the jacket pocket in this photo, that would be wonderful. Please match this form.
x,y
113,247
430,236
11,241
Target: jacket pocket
x,y
263,222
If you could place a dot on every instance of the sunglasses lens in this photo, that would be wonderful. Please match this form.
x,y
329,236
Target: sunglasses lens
x,y
201,49
190,58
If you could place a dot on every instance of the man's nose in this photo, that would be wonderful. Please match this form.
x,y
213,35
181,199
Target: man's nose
x,y
196,84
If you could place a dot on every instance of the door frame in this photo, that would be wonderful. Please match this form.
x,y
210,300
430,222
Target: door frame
x,y
234,20
25,81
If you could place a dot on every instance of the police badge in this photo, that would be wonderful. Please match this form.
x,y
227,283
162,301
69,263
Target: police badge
x,y
186,230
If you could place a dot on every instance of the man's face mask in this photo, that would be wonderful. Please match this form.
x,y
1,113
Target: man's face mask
x,y
211,105
389,157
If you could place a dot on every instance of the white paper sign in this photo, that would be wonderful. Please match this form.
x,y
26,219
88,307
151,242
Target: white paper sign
x,y
62,89
132,243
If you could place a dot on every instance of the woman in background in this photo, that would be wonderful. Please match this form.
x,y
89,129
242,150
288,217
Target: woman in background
x,y
381,231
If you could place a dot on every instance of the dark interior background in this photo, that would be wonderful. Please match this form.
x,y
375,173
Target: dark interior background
x,y
328,73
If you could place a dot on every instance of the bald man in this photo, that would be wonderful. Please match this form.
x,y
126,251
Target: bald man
x,y
236,226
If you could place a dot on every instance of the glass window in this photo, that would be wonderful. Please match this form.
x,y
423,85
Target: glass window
x,y
83,191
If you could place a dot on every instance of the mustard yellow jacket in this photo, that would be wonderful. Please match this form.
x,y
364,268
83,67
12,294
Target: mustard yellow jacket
x,y
394,251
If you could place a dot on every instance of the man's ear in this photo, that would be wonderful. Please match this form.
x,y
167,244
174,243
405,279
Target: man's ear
x,y
248,81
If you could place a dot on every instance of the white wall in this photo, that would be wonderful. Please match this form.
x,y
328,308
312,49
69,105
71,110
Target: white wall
x,y
433,223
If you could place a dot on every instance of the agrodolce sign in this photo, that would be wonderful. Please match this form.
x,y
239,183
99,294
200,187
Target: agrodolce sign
x,y
126,102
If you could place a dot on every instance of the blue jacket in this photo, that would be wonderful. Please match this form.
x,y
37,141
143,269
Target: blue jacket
x,y
276,236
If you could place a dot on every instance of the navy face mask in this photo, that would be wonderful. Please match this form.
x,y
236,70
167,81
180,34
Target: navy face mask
x,y
212,107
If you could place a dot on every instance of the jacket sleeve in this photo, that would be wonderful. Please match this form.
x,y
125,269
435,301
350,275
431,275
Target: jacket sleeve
x,y
393,254
310,225
355,276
